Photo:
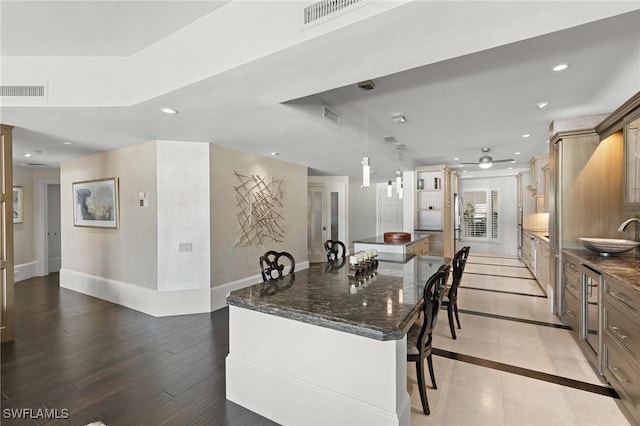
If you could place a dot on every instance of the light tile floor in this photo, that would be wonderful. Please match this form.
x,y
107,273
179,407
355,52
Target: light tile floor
x,y
469,394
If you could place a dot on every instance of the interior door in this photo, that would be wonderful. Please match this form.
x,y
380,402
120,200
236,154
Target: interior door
x,y
6,237
318,219
326,218
53,229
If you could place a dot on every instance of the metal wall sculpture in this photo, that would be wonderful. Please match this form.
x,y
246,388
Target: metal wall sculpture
x,y
259,210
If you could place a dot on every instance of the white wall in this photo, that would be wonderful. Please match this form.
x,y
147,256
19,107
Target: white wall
x,y
506,245
190,199
183,215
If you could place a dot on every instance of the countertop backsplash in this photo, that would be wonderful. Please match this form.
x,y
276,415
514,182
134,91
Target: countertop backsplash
x,y
536,222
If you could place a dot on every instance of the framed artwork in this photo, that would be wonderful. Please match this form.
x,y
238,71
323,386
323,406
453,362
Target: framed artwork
x,y
95,203
18,204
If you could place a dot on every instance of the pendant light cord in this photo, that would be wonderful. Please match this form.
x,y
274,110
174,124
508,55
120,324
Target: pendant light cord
x,y
366,126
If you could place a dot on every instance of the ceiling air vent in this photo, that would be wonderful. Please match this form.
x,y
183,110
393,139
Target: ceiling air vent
x,y
23,90
390,139
325,8
331,115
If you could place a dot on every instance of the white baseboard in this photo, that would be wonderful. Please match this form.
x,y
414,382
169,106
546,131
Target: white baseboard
x,y
219,293
153,302
146,300
24,271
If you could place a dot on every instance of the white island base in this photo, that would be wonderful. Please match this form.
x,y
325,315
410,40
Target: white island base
x,y
301,374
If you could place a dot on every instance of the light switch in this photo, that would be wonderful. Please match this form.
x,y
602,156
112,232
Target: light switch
x,y
142,197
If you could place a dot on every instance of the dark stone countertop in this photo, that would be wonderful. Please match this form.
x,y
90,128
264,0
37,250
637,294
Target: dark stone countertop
x,y
624,267
381,308
379,239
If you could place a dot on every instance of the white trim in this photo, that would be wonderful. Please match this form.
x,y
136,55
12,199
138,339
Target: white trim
x,y
41,224
146,300
219,293
25,271
153,302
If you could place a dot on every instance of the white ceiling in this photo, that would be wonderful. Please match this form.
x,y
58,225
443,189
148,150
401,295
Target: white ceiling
x,y
92,28
470,88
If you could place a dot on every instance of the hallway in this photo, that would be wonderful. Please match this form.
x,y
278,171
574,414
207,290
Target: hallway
x,y
513,362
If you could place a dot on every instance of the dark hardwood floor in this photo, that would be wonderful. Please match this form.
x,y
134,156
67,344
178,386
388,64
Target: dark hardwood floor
x,y
98,361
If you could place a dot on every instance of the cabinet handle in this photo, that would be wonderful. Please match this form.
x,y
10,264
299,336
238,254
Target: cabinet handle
x,y
617,332
616,372
620,296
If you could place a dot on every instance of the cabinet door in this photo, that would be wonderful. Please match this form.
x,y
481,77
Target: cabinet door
x,y
632,162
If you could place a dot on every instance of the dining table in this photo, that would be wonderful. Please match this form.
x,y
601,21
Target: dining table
x,y
324,346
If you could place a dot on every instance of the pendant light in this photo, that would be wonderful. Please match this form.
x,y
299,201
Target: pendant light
x,y
366,162
401,192
398,181
389,189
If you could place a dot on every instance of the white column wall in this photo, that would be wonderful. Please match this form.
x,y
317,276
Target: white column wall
x,y
183,215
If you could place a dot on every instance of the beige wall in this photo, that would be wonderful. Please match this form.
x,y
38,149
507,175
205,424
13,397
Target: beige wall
x,y
24,233
127,254
228,262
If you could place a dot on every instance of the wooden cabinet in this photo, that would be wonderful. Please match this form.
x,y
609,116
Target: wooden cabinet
x,y
528,250
632,161
572,295
434,208
536,174
545,189
542,263
621,341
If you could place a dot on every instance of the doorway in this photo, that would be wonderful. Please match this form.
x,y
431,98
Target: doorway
x,y
48,227
54,259
326,211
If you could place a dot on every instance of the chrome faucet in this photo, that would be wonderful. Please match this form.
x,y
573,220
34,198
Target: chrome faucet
x,y
624,224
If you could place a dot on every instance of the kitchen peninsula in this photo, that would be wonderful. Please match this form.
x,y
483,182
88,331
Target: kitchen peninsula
x,y
323,348
413,244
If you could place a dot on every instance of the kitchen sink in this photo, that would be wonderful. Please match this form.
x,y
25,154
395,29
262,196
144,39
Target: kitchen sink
x,y
607,246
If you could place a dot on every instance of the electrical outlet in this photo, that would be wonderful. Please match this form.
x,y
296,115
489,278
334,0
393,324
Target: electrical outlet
x,y
185,247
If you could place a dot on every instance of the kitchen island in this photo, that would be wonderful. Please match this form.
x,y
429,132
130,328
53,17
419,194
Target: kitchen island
x,y
417,244
323,348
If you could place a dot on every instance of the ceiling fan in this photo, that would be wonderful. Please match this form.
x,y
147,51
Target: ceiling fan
x,y
487,161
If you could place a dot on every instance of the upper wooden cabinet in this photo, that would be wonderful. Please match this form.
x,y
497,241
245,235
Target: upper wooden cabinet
x,y
632,161
625,121
536,174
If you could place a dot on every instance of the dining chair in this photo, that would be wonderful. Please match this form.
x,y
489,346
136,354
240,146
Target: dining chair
x,y
272,267
450,299
420,336
335,250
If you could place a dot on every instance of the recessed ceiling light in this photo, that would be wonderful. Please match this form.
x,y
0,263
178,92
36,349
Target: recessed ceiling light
x,y
464,171
461,165
542,104
560,67
526,135
398,118
516,153
275,153
513,161
510,168
27,155
548,141
456,158
65,142
169,110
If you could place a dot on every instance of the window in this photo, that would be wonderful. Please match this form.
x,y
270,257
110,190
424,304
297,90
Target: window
x,y
480,214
